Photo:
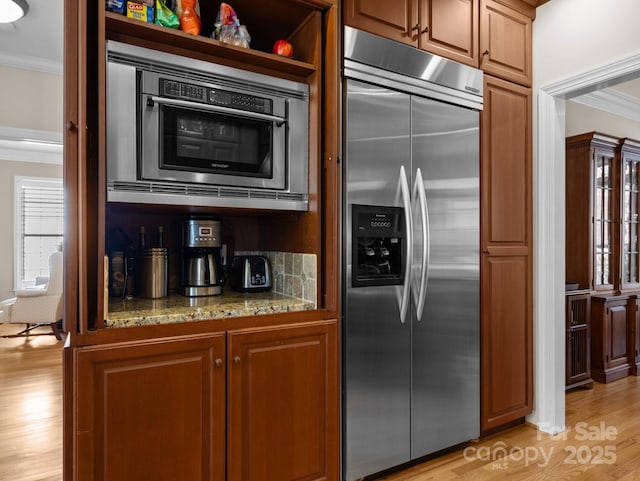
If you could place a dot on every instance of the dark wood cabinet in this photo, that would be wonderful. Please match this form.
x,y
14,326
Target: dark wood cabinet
x,y
578,341
169,410
629,154
448,28
634,335
592,206
283,403
151,410
506,269
609,338
602,249
506,39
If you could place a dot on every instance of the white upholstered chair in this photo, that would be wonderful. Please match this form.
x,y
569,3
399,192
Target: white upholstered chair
x,y
38,306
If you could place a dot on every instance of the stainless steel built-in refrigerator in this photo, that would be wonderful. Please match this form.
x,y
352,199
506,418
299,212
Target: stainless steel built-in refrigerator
x,y
411,361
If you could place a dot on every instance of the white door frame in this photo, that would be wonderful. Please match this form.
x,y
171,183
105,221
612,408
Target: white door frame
x,y
549,235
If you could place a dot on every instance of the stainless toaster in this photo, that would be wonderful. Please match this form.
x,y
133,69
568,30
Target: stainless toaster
x,y
251,274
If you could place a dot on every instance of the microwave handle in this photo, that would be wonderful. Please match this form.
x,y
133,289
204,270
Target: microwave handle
x,y
215,108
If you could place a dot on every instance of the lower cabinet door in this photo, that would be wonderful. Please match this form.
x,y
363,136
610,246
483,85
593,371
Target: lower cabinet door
x,y
151,410
283,403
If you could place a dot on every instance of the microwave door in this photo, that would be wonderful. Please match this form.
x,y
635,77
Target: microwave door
x,y
198,143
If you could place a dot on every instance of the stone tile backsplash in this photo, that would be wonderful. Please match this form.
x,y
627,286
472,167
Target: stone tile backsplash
x,y
294,275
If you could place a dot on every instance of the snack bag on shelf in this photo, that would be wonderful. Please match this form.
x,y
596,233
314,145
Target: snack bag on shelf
x,y
188,11
228,28
164,15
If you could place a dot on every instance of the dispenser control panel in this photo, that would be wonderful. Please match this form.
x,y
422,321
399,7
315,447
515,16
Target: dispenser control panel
x,y
378,245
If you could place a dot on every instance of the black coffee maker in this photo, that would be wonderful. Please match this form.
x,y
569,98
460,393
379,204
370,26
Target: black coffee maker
x,y
201,258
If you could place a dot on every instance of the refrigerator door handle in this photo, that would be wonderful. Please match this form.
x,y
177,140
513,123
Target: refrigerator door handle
x,y
406,202
419,189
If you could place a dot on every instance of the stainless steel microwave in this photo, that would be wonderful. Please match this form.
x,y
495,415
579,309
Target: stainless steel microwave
x,y
187,132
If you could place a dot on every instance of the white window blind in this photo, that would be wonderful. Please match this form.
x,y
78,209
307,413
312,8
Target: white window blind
x,y
40,212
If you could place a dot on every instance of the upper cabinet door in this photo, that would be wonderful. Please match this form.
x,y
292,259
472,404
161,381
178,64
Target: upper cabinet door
x,y
450,28
505,42
396,20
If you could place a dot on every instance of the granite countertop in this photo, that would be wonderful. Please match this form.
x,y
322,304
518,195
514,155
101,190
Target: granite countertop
x,y
178,308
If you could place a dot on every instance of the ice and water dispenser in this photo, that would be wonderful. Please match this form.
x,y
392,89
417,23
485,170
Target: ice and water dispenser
x,y
378,239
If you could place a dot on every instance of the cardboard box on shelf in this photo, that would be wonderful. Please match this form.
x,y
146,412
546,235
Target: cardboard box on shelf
x,y
140,11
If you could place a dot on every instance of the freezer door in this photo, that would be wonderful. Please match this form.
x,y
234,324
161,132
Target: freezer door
x,y
376,344
445,397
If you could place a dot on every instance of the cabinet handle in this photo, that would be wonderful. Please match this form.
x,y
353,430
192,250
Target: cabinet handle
x,y
486,251
236,359
416,28
218,362
486,52
71,127
425,30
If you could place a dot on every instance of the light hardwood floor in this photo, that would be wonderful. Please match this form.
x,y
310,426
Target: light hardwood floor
x,y
30,407
602,444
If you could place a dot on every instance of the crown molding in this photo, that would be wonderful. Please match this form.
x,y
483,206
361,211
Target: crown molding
x,y
25,62
27,145
613,102
598,78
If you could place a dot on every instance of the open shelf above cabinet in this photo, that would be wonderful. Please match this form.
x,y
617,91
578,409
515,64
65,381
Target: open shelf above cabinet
x,y
263,20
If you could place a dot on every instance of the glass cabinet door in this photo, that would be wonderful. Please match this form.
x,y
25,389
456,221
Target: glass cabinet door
x,y
603,222
629,217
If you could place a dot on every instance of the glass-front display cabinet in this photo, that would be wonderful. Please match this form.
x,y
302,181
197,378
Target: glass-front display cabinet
x,y
630,207
603,219
592,212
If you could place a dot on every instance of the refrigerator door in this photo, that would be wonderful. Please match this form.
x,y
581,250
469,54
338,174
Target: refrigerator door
x,y
445,395
376,344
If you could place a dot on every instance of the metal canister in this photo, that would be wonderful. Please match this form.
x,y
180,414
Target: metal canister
x,y
154,273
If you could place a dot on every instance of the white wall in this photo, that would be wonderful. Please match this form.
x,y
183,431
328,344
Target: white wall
x,y
30,100
578,46
581,119
573,36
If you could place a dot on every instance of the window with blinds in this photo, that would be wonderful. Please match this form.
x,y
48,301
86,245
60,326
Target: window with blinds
x,y
39,222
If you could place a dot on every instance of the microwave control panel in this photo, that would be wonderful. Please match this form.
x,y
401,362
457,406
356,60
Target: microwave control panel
x,y
223,98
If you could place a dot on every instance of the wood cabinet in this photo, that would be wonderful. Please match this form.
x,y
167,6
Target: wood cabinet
x,y
629,154
283,403
609,337
506,268
311,26
506,39
151,410
634,335
602,250
168,409
578,340
592,206
448,28
152,402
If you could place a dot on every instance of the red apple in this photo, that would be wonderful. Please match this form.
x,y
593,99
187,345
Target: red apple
x,y
282,47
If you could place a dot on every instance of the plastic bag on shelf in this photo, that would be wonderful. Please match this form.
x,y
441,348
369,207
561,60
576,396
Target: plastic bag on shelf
x,y
228,28
188,11
164,15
